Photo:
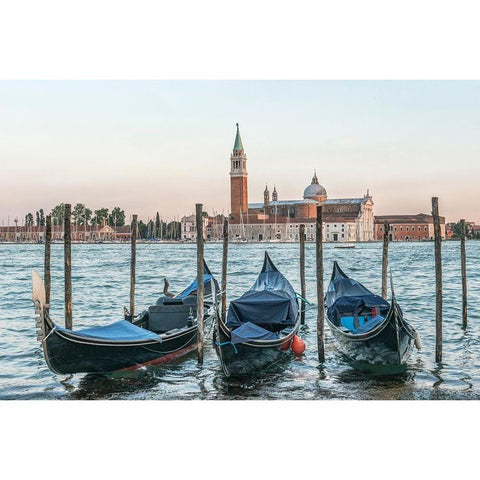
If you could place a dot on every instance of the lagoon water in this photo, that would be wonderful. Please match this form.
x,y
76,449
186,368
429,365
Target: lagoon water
x,y
101,289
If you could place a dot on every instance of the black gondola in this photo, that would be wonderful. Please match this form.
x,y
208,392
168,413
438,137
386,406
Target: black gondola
x,y
260,325
366,328
164,332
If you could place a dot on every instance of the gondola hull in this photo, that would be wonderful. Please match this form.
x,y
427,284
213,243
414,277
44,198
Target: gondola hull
x,y
246,359
259,326
385,346
366,328
67,354
122,345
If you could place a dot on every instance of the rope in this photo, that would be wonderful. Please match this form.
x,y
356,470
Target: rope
x,y
303,299
226,343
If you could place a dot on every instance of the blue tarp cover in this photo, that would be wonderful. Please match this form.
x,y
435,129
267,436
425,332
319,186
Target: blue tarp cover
x,y
270,301
121,331
345,295
249,331
193,287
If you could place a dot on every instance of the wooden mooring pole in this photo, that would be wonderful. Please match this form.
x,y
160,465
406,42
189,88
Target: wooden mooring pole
x,y
385,259
224,269
133,261
46,268
67,243
302,273
320,299
464,273
200,286
438,279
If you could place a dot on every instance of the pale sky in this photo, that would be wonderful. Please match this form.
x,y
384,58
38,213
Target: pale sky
x,y
150,146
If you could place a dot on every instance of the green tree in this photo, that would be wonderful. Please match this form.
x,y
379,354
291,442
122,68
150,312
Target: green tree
x,y
29,220
78,214
157,226
142,229
173,230
100,215
150,229
42,217
117,217
58,214
81,214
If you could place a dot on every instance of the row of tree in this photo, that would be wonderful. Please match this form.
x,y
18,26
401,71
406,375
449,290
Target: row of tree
x,y
469,232
81,216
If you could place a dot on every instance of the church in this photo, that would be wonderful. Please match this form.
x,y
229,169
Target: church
x,y
345,219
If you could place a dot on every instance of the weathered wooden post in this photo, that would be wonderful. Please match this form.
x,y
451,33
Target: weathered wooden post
x,y
224,268
464,273
438,279
385,259
48,243
133,261
67,243
302,273
200,290
320,299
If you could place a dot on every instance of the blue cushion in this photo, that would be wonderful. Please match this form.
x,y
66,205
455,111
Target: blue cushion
x,y
347,322
369,325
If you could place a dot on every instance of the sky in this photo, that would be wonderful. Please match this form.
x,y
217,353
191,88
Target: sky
x,y
164,145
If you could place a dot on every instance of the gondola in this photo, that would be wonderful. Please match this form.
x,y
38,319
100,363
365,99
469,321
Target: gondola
x,y
260,325
366,328
164,332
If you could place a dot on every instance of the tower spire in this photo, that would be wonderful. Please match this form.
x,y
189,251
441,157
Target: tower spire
x,y
238,146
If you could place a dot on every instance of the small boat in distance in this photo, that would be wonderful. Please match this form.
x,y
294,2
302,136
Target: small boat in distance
x,y
260,326
366,328
164,332
345,245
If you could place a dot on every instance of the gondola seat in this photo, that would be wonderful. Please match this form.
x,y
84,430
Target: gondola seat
x,y
353,322
370,325
171,313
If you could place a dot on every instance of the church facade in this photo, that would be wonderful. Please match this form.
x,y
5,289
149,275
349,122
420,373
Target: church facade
x,y
345,219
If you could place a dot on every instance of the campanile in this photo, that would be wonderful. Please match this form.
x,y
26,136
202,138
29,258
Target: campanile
x,y
238,179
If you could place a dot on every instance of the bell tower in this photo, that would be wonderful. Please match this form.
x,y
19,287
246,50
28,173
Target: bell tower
x,y
266,196
238,178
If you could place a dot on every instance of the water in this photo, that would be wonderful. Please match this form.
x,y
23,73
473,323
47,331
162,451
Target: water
x,y
101,289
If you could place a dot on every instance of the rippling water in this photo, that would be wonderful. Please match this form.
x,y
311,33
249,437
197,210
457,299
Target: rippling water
x,y
101,289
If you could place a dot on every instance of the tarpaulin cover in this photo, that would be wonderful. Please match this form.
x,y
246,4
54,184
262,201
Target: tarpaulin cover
x,y
345,295
270,301
194,286
121,331
249,331
207,277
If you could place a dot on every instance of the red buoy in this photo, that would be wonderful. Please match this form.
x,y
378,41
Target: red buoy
x,y
298,346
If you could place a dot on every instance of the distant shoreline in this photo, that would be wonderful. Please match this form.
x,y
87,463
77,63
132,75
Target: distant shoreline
x,y
173,242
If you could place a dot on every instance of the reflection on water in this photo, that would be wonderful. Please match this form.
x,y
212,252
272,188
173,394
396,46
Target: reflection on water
x,y
100,289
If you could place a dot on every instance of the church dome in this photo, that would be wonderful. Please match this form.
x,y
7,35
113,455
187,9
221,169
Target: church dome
x,y
315,190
